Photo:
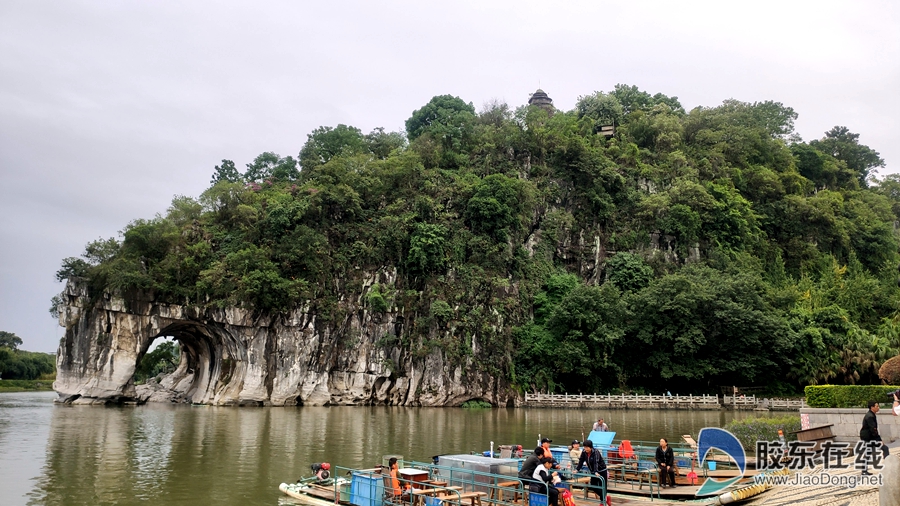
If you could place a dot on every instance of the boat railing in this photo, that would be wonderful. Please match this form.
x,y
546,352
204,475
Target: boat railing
x,y
499,489
367,488
685,456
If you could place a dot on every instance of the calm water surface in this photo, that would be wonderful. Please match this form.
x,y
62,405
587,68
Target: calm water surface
x,y
177,454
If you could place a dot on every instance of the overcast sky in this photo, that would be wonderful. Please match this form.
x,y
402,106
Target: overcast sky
x,y
109,109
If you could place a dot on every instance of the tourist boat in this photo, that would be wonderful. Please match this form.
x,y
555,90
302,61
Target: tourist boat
x,y
494,476
633,471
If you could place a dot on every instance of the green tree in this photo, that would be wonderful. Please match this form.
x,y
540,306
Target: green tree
x,y
72,267
270,166
702,325
445,117
844,145
382,144
632,99
25,365
628,272
823,170
325,143
162,360
498,205
427,248
10,340
601,108
588,328
226,172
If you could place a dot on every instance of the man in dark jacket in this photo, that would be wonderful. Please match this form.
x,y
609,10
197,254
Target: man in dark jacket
x,y
595,464
869,431
530,464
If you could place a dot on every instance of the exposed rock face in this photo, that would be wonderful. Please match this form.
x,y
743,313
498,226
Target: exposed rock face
x,y
238,357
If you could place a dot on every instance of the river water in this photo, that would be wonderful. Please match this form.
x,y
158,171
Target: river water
x,y
177,454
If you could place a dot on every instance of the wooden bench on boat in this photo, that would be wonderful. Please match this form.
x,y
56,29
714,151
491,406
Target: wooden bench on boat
x,y
419,494
473,497
514,486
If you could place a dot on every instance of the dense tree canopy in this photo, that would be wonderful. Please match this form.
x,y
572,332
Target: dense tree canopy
x,y
22,365
691,249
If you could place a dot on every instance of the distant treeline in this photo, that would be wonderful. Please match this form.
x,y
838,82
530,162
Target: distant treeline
x,y
16,364
625,244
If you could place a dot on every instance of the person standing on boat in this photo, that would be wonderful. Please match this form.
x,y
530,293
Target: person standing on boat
x,y
532,462
600,426
545,444
543,481
666,460
596,466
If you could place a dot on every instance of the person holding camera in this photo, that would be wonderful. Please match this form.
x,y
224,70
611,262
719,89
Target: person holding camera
x,y
869,431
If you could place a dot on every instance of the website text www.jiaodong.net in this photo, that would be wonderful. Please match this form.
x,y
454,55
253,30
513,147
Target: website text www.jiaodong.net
x,y
823,479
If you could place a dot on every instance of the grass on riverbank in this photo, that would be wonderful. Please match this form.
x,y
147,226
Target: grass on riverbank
x,y
25,385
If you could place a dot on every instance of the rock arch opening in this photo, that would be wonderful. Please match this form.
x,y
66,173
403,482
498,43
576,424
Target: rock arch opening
x,y
204,366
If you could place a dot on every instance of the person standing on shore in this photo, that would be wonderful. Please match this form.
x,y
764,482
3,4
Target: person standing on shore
x,y
869,432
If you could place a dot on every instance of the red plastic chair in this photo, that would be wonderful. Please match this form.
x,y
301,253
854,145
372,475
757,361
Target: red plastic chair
x,y
625,450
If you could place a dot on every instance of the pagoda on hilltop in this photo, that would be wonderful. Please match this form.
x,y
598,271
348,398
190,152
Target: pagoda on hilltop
x,y
540,99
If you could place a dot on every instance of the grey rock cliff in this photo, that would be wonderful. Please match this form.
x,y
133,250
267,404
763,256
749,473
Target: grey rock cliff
x,y
235,356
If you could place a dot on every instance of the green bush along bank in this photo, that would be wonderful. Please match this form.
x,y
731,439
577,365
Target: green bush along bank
x,y
848,396
750,430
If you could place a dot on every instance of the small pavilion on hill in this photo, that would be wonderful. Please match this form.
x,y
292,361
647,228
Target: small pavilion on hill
x,y
540,99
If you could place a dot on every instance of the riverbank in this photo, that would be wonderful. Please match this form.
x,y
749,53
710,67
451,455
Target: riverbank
x,y
26,385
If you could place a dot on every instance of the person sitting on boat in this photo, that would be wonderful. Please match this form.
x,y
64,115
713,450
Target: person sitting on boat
x,y
600,426
395,476
595,465
528,467
575,451
666,460
542,481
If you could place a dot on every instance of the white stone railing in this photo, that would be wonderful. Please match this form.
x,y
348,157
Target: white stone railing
x,y
662,401
623,399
